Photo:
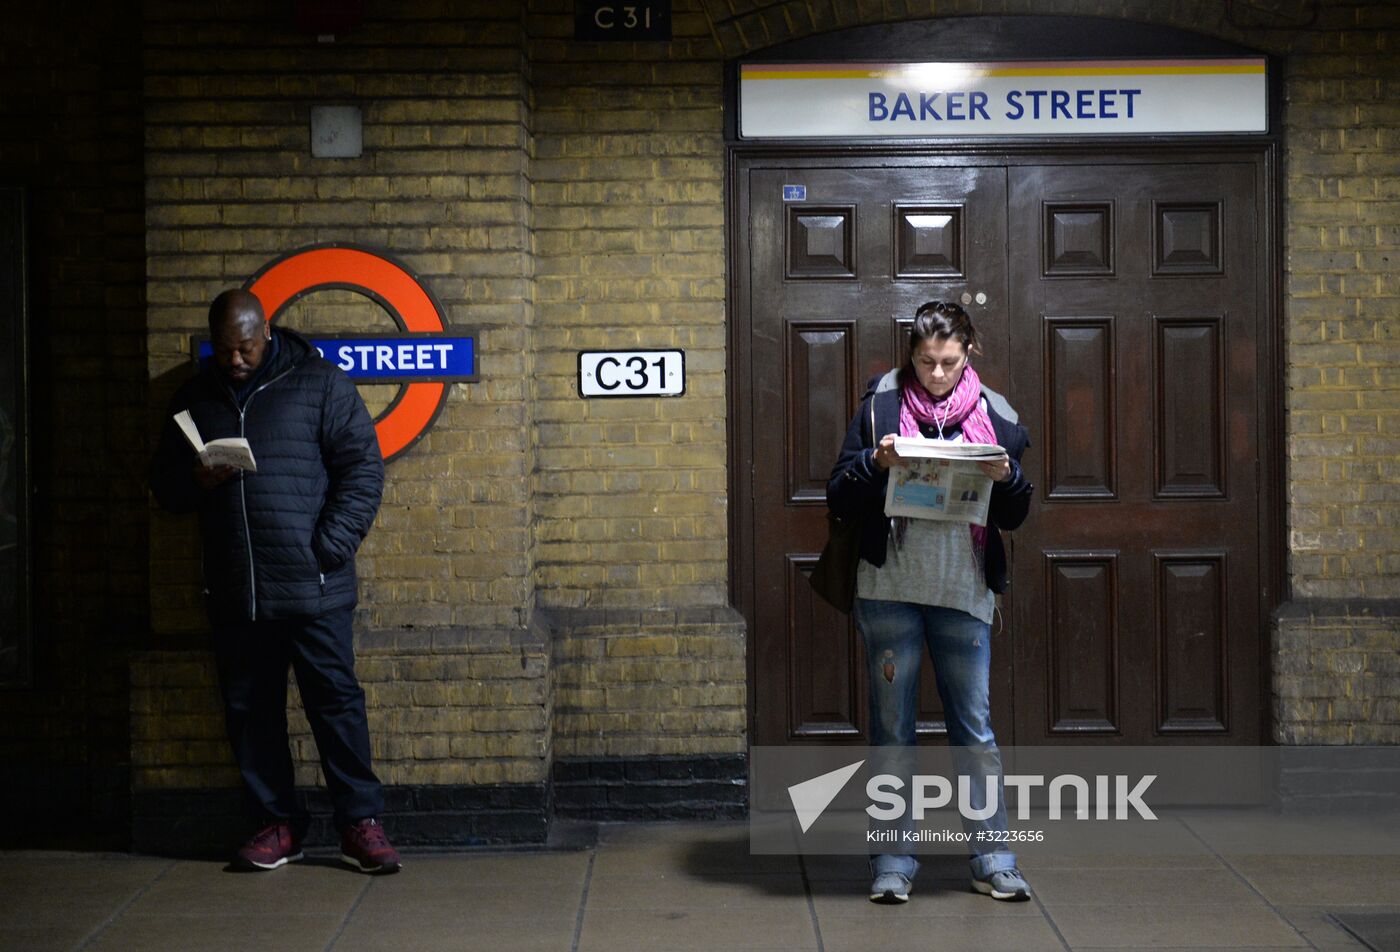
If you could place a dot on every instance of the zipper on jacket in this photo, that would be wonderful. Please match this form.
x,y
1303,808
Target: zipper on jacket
x,y
247,535
243,495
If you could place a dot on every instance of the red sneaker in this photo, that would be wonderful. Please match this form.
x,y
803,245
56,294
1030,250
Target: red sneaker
x,y
272,846
364,846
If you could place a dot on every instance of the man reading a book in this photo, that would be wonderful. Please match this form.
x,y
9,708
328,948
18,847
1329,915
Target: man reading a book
x,y
279,543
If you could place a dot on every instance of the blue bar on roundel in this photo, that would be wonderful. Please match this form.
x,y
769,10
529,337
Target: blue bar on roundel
x,y
394,358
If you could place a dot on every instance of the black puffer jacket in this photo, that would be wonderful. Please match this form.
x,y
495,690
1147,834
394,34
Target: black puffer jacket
x,y
856,488
279,542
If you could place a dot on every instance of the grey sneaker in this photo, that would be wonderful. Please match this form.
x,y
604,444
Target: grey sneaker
x,y
1006,884
890,888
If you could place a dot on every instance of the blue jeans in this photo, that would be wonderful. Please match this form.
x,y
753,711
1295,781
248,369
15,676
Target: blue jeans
x,y
895,634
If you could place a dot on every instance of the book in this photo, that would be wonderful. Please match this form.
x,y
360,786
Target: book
x,y
940,480
229,451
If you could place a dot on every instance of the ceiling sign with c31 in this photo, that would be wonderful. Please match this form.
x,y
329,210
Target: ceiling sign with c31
x,y
917,100
622,21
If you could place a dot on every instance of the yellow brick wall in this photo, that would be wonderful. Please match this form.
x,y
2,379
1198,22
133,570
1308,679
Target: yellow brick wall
x,y
650,682
442,185
1336,674
631,495
1343,308
629,253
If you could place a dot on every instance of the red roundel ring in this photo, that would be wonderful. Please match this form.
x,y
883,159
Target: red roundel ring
x,y
391,285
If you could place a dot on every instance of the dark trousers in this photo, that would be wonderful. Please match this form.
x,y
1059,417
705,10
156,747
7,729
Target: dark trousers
x,y
252,659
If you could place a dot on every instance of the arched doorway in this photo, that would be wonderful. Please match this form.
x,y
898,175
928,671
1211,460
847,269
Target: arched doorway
x,y
1126,288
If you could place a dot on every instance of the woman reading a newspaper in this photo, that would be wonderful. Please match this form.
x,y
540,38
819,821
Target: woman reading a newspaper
x,y
931,580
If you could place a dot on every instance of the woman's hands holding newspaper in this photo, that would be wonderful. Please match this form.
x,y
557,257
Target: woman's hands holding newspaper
x,y
885,454
998,469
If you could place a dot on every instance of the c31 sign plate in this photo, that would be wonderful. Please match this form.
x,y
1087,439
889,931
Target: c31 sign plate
x,y
631,373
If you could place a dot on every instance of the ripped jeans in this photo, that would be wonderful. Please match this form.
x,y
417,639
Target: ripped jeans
x,y
960,646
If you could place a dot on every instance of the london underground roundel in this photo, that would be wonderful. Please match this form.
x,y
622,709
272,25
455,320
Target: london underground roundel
x,y
423,358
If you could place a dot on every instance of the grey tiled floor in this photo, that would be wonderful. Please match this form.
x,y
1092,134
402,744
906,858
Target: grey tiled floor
x,y
691,886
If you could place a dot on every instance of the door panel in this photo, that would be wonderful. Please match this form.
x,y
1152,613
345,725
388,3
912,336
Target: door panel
x,y
833,284
1081,460
1139,563
1082,664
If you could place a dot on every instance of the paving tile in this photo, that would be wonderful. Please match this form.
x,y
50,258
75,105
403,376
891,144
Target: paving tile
x,y
1264,833
1120,861
544,873
673,889
931,866
787,928
424,896
728,854
610,834
47,938
1223,925
523,929
858,867
1317,925
943,933
523,903
1166,837
520,900
1323,880
1142,887
722,843
206,889
777,832
219,933
70,890
928,897
1378,930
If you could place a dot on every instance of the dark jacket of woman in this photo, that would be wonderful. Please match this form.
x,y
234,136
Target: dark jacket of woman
x,y
856,489
280,542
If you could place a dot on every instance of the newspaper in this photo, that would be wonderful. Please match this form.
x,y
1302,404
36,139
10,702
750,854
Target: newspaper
x,y
940,480
229,451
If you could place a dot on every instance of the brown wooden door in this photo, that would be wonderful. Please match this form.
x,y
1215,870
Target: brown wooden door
x,y
1135,305
832,282
1122,317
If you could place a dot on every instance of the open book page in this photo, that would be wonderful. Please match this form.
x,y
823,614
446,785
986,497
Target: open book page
x,y
191,432
940,480
230,451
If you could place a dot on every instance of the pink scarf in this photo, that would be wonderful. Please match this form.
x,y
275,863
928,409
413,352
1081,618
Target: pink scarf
x,y
962,407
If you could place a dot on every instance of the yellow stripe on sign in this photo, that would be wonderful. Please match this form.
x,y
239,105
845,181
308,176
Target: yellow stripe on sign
x,y
825,74
1131,71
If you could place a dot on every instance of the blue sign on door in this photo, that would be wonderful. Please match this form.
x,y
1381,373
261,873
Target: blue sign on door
x,y
794,193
